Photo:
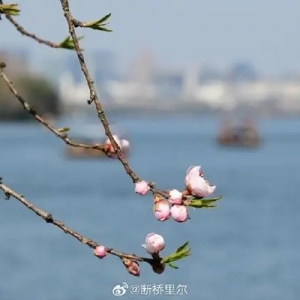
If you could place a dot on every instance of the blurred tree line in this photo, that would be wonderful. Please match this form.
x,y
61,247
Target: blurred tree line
x,y
33,87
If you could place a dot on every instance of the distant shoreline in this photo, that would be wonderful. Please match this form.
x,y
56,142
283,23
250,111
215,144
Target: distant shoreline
x,y
160,111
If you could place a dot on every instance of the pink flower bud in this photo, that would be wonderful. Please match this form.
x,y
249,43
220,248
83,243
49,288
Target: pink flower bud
x,y
142,187
179,213
175,197
100,251
132,266
154,243
161,209
195,183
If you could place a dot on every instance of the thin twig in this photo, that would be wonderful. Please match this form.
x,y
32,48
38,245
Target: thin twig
x,y
40,119
23,31
62,135
93,94
9,192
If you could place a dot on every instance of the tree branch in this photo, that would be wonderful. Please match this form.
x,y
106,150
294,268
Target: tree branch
x,y
62,135
9,192
40,119
93,94
31,35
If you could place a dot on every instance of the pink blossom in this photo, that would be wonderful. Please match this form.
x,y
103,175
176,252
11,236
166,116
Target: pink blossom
x,y
161,209
175,197
195,183
154,243
100,251
142,187
179,213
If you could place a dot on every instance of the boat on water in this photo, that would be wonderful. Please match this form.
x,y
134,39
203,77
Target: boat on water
x,y
91,135
242,135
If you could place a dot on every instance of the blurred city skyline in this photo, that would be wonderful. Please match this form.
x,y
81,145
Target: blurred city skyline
x,y
213,33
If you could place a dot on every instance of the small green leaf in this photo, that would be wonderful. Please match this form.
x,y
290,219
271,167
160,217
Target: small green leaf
x,y
172,266
99,24
203,203
182,247
68,43
181,252
101,21
9,9
64,129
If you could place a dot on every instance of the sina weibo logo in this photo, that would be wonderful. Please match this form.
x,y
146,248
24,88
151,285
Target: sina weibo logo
x,y
120,289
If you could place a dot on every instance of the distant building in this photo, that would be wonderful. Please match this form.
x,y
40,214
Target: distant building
x,y
168,85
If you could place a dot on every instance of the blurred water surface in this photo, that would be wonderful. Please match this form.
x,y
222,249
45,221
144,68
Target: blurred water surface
x,y
247,248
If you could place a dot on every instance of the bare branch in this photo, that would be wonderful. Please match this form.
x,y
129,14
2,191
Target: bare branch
x,y
40,119
9,192
58,132
93,94
65,44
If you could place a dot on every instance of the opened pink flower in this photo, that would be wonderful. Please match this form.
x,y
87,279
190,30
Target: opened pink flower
x,y
142,187
175,197
161,209
179,213
195,183
154,243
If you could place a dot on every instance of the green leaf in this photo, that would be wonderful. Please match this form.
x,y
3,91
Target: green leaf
x,y
182,247
181,252
203,203
172,266
101,21
68,43
99,24
64,129
9,9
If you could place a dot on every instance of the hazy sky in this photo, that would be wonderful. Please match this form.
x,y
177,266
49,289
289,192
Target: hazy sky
x,y
213,32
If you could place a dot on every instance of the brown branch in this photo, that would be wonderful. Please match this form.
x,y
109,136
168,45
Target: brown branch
x,y
93,94
49,219
27,107
62,135
23,31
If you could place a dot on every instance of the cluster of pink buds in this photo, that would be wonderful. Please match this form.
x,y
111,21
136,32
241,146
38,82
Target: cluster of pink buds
x,y
122,143
164,209
195,185
174,205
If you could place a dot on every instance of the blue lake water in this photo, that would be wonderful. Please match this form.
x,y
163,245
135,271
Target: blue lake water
x,y
248,248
